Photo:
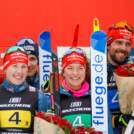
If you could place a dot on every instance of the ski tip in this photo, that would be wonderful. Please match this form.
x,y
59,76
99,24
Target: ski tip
x,y
75,40
98,41
45,41
45,34
96,26
98,34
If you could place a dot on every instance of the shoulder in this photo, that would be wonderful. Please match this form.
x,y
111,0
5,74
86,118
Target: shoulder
x,y
64,91
42,95
109,68
31,89
87,93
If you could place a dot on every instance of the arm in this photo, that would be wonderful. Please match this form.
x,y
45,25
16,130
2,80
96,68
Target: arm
x,y
44,102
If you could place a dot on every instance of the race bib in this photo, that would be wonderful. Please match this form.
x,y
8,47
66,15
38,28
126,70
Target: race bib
x,y
15,118
77,120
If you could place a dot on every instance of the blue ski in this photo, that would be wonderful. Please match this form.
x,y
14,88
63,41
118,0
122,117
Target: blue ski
x,y
48,67
45,58
99,81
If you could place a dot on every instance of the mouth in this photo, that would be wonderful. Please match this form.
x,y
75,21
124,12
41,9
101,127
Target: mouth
x,y
29,70
18,77
122,54
74,78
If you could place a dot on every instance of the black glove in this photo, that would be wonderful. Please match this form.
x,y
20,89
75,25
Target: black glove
x,y
121,120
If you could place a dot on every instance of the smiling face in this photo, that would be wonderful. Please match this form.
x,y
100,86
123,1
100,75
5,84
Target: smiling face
x,y
74,75
16,73
32,65
118,51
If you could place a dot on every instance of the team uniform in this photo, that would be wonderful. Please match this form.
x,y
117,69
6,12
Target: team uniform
x,y
18,106
76,109
31,48
34,81
112,92
113,101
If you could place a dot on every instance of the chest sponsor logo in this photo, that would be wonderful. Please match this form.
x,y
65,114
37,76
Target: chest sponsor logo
x,y
112,79
15,100
76,104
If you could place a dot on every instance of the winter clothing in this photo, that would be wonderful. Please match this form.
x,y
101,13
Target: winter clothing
x,y
121,120
19,103
79,107
76,109
34,81
73,56
119,33
30,46
113,102
15,57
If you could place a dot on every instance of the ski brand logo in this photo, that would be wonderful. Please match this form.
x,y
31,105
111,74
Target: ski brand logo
x,y
76,104
15,100
55,63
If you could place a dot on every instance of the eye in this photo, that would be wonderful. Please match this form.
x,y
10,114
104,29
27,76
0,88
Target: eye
x,y
81,68
129,44
24,66
69,68
119,42
14,65
32,59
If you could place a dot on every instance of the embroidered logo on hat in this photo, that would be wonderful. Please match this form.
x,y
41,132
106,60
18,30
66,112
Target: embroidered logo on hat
x,y
15,57
119,34
73,58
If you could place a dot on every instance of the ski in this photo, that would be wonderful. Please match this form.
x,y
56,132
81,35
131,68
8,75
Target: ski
x,y
99,81
48,68
130,127
75,39
96,26
45,59
56,92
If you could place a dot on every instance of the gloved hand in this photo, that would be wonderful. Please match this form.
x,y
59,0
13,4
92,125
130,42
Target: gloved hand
x,y
121,120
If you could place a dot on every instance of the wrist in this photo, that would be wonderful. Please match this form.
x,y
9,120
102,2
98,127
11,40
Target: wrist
x,y
113,121
116,121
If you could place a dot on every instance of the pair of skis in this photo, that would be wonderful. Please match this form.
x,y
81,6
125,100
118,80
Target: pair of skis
x,y
49,63
48,68
99,73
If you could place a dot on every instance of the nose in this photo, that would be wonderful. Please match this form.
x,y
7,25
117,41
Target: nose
x,y
19,69
29,63
75,71
123,47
